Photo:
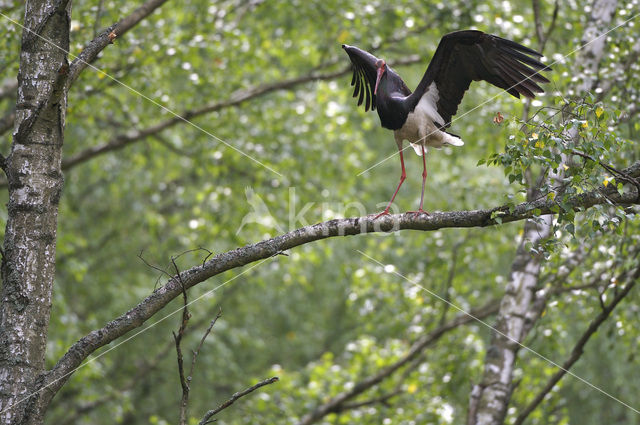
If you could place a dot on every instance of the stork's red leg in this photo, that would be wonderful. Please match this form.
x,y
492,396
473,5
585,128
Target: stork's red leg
x,y
424,179
403,176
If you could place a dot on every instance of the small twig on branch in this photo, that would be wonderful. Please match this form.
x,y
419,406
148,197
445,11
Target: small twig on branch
x,y
207,417
185,381
148,264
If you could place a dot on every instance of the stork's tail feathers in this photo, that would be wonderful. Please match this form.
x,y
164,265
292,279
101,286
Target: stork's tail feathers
x,y
446,139
452,139
417,147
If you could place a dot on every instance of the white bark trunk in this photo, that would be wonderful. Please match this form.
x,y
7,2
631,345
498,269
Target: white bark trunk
x,y
35,184
489,399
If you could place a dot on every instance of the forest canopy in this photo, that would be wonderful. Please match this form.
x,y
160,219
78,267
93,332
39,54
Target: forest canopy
x,y
198,128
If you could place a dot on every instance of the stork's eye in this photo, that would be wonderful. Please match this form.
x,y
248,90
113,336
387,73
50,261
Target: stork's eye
x,y
380,63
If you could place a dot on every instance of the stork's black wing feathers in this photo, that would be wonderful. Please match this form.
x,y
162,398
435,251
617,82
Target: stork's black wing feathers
x,y
465,56
364,75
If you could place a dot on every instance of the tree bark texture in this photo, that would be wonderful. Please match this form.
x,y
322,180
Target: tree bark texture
x,y
490,398
518,311
35,181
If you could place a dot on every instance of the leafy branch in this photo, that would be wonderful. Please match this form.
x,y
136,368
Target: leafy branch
x,y
339,403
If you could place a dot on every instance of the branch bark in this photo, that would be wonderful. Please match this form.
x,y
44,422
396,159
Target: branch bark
x,y
239,257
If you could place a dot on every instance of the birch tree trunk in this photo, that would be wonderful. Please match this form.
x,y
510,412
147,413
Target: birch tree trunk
x,y
518,310
35,185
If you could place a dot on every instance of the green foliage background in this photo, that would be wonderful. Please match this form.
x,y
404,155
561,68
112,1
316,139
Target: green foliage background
x,y
325,316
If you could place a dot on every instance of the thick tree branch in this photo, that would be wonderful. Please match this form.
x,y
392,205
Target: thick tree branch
x,y
340,227
339,402
93,48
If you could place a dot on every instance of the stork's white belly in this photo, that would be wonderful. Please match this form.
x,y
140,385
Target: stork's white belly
x,y
420,128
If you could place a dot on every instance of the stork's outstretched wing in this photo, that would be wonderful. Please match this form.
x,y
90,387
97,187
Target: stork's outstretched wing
x,y
364,75
464,56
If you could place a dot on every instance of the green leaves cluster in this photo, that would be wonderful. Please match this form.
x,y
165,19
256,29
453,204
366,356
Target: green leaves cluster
x,y
570,149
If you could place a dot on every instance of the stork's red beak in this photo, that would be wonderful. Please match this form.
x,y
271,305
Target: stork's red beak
x,y
381,69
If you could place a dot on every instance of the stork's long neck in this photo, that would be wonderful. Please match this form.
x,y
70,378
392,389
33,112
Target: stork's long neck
x,y
391,105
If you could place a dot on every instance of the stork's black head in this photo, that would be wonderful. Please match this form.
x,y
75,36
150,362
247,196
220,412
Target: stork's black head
x,y
381,67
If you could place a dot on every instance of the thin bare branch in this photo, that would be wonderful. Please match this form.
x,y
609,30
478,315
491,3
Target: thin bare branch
x,y
197,350
148,264
206,418
184,381
143,368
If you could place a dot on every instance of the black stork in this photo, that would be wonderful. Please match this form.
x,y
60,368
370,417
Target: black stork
x,y
423,116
